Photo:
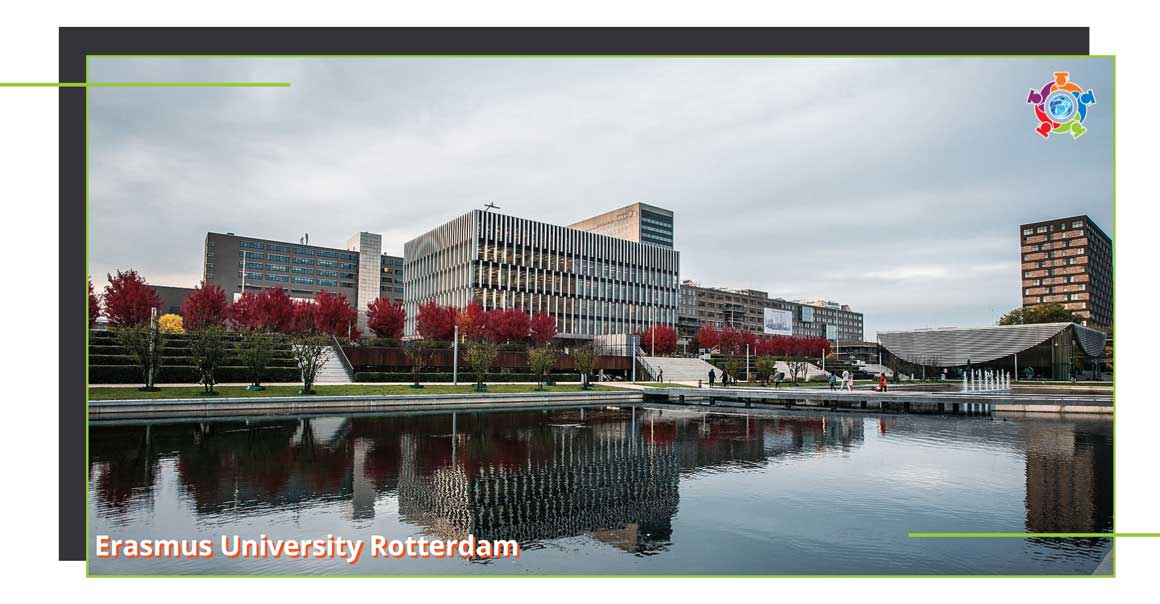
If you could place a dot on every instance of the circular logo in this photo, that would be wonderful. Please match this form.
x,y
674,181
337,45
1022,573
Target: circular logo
x,y
1060,106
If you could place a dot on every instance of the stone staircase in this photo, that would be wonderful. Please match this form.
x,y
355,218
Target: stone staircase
x,y
333,371
678,369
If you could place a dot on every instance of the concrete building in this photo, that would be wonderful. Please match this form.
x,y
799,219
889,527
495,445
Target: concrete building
x,y
746,309
1068,261
361,272
638,222
592,284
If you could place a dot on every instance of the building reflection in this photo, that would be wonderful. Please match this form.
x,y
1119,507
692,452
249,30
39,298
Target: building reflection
x,y
610,474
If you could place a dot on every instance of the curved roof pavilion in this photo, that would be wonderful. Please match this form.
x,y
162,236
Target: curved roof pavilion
x,y
954,346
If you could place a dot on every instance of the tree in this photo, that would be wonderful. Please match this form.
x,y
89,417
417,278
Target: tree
x,y
255,350
765,366
584,357
311,350
385,318
144,343
731,341
170,323
206,306
542,329
708,337
435,322
732,369
275,310
129,301
418,352
94,306
541,360
243,313
472,321
508,325
303,317
481,354
1042,313
665,339
208,348
334,316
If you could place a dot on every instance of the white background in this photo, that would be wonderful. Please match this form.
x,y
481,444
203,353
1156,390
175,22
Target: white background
x,y
28,317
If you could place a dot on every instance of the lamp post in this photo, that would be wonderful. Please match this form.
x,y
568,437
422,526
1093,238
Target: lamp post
x,y
652,330
455,359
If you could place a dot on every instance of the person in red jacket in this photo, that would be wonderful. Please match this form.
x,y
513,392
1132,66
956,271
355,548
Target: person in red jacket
x,y
882,382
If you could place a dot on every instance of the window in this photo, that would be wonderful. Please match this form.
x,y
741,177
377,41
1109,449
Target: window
x,y
257,265
277,267
1028,231
278,258
298,260
254,245
346,284
350,266
326,273
326,254
327,283
302,280
348,275
348,256
1077,224
328,263
301,271
250,255
304,251
282,278
278,248
1041,229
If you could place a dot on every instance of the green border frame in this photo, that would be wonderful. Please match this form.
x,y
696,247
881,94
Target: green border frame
x,y
87,85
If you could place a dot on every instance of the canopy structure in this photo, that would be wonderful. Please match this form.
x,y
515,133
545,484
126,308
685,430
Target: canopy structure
x,y
955,346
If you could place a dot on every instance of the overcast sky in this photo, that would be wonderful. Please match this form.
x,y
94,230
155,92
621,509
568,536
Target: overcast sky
x,y
895,186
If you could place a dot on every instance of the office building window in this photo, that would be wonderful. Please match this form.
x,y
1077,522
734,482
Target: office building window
x,y
298,260
278,258
282,278
277,267
254,245
327,273
302,280
328,263
327,283
304,251
301,271
277,248
250,255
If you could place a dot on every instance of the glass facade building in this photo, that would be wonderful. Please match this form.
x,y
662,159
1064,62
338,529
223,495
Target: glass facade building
x,y
592,284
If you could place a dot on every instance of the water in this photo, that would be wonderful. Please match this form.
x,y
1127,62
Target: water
x,y
617,491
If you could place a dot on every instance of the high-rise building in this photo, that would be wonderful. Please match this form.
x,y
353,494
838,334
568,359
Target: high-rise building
x,y
1068,261
638,222
592,284
361,272
745,309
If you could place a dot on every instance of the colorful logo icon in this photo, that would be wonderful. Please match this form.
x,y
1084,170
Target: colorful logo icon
x,y
1061,106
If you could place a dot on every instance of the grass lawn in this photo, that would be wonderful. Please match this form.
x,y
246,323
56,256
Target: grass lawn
x,y
128,392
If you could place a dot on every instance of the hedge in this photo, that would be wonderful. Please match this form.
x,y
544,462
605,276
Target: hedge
x,y
182,374
464,377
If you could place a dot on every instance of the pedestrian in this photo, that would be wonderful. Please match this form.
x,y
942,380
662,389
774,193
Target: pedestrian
x,y
661,375
847,381
777,378
712,377
882,382
833,381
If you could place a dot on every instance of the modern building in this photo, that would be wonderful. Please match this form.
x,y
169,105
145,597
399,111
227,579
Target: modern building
x,y
638,222
1044,350
592,284
361,272
171,298
746,309
1068,261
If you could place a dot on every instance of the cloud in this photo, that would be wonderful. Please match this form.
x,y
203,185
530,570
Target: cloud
x,y
893,185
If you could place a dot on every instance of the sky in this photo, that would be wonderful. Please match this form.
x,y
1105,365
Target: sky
x,y
895,186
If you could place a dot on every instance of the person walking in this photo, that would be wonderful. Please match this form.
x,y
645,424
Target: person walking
x,y
660,375
777,378
847,381
833,381
882,382
712,377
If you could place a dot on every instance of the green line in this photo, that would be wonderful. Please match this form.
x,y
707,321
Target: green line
x,y
1028,535
144,84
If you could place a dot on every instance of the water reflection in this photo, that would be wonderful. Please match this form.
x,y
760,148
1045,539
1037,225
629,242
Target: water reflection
x,y
613,476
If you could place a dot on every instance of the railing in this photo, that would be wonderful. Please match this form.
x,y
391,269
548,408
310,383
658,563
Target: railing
x,y
652,371
342,357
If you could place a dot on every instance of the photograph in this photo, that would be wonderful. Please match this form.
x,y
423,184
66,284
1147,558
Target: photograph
x,y
600,315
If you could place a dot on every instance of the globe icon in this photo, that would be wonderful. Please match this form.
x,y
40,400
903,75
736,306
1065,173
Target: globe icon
x,y
1060,107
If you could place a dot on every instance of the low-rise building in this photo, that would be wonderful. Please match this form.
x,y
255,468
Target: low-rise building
x,y
754,310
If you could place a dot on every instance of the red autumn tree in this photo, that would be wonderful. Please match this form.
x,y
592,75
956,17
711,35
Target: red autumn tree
x,y
509,325
731,341
275,310
94,306
708,337
243,313
386,318
334,315
542,328
472,321
129,300
436,322
205,307
665,341
304,316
